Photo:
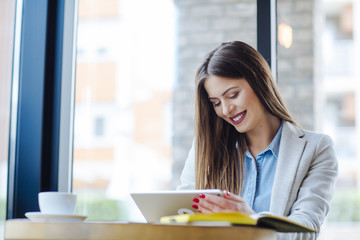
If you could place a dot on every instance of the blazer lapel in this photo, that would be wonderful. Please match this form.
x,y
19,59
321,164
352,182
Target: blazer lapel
x,y
291,148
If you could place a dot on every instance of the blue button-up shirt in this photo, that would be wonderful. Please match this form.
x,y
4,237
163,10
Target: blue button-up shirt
x,y
259,175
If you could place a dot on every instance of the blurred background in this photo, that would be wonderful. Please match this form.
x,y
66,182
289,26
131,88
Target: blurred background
x,y
136,61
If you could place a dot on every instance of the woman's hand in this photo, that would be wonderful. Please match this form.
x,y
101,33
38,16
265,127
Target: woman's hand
x,y
229,202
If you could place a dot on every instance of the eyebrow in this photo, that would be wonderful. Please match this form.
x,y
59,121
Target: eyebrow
x,y
229,89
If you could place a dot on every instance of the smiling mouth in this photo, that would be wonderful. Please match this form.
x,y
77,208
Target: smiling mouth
x,y
238,118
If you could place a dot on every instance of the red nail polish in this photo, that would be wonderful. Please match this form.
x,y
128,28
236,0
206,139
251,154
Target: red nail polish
x,y
195,206
196,200
202,195
227,193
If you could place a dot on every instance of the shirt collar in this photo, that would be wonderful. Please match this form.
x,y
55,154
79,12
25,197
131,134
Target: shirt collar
x,y
274,145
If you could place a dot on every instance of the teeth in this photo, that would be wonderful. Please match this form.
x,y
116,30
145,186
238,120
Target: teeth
x,y
238,117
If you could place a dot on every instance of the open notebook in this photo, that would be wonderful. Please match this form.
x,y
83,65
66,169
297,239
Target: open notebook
x,y
277,223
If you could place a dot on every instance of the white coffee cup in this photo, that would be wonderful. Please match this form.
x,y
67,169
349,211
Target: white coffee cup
x,y
57,203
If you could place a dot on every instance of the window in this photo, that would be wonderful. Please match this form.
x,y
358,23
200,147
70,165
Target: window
x,y
135,69
317,78
341,118
124,85
99,126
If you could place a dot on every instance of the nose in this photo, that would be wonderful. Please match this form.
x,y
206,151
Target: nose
x,y
227,109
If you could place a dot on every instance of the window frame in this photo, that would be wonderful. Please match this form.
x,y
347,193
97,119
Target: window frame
x,y
40,141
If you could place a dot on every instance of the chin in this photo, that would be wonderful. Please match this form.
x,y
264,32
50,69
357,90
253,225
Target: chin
x,y
240,130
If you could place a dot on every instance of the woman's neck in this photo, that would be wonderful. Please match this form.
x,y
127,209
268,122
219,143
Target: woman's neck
x,y
260,138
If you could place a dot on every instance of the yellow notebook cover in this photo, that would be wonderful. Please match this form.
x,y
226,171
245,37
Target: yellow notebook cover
x,y
280,224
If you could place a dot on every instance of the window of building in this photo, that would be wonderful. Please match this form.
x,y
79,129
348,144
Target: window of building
x,y
99,126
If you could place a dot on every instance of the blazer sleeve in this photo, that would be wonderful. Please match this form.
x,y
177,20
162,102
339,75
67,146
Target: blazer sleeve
x,y
187,178
312,203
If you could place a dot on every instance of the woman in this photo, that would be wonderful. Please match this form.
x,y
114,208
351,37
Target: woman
x,y
247,144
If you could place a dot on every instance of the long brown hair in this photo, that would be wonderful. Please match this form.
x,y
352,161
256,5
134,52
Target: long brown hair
x,y
219,147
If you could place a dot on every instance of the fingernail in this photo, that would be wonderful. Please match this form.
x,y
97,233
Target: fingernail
x,y
195,206
202,195
227,193
196,200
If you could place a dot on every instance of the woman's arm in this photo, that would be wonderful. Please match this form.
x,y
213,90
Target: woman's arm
x,y
312,203
188,174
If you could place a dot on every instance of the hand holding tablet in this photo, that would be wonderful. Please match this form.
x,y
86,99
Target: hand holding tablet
x,y
228,202
154,205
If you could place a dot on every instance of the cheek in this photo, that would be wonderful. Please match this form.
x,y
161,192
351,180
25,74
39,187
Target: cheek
x,y
218,112
244,101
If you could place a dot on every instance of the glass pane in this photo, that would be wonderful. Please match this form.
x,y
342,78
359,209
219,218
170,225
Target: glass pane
x,y
341,94
136,62
318,79
124,79
7,15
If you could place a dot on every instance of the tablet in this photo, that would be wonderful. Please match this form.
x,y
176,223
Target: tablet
x,y
154,205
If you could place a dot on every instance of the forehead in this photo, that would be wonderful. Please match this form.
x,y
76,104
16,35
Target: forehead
x,y
215,86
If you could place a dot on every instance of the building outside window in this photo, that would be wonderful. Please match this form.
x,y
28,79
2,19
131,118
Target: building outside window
x,y
125,74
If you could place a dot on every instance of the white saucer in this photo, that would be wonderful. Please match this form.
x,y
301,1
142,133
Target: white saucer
x,y
41,217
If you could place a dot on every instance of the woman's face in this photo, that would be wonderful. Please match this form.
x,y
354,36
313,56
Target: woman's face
x,y
236,102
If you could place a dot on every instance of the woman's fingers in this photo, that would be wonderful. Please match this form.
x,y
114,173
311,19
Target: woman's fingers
x,y
209,205
232,196
229,202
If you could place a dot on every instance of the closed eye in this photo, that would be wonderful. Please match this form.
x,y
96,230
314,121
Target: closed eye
x,y
234,95
216,104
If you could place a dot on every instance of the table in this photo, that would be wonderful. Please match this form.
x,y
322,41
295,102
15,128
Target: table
x,y
16,229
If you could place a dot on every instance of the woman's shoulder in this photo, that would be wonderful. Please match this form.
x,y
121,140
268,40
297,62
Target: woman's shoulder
x,y
309,135
315,143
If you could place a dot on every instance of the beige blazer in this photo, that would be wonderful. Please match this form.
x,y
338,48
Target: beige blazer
x,y
304,182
